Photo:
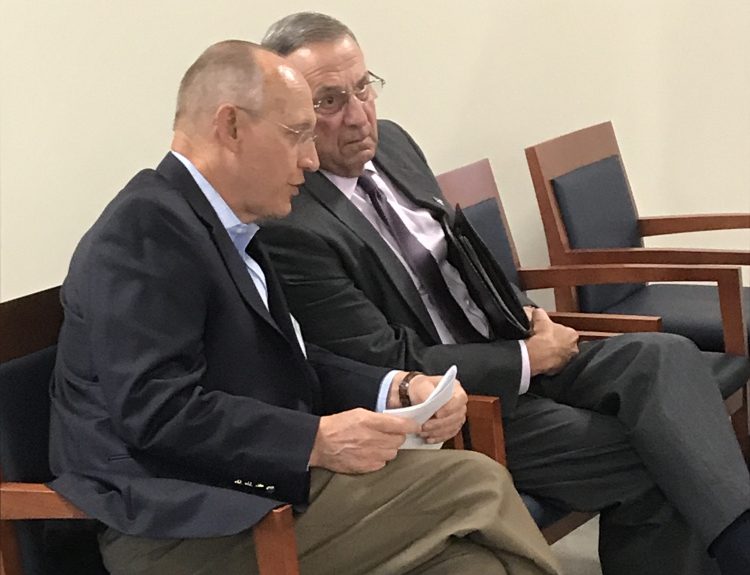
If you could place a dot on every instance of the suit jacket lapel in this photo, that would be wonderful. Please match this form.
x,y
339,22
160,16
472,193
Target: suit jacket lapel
x,y
417,185
173,170
331,198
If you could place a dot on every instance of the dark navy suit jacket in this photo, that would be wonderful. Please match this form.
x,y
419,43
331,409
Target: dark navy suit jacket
x,y
180,406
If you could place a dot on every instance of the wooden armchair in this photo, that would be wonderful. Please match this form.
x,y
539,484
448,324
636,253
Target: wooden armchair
x,y
28,336
590,217
37,534
473,187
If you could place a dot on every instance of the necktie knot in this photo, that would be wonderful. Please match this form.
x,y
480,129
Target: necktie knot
x,y
369,186
253,248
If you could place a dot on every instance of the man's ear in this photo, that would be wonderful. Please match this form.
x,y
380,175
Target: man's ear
x,y
226,125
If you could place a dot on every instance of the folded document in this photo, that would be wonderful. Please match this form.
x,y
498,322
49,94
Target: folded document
x,y
421,412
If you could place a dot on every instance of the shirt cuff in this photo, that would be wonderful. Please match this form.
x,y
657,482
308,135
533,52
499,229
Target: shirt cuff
x,y
385,387
525,369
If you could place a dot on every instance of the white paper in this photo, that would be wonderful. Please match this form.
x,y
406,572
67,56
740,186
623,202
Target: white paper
x,y
421,412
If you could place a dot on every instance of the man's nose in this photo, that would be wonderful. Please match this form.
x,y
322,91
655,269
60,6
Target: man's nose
x,y
354,112
308,158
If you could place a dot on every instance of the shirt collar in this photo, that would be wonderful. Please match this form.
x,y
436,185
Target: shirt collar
x,y
240,233
348,185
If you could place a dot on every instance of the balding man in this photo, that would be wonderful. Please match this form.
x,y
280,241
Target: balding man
x,y
185,405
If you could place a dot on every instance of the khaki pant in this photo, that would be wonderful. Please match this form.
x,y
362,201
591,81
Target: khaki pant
x,y
438,512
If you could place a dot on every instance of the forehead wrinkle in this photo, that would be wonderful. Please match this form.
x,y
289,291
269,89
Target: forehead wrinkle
x,y
325,59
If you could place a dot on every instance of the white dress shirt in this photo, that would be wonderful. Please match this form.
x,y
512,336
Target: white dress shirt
x,y
428,232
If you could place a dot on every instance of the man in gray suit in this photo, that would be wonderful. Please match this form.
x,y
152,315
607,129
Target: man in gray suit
x,y
185,405
633,426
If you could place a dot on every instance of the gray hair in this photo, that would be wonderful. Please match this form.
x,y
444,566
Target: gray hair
x,y
225,72
303,28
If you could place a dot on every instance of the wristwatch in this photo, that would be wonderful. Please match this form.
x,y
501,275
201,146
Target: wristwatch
x,y
403,388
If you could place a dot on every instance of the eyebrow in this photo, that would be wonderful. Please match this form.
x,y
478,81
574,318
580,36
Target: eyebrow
x,y
323,90
303,125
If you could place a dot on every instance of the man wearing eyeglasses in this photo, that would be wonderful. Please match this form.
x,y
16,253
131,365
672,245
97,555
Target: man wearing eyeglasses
x,y
632,426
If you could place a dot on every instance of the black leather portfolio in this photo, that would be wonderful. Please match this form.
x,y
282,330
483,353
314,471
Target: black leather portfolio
x,y
485,279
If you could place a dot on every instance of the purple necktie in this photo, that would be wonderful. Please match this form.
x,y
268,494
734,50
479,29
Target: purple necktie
x,y
421,262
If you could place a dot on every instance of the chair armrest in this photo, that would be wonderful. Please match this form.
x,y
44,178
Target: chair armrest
x,y
486,426
276,544
727,278
35,501
659,225
603,322
674,256
586,335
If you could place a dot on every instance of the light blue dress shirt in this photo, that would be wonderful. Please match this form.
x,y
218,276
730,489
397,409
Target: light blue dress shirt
x,y
241,234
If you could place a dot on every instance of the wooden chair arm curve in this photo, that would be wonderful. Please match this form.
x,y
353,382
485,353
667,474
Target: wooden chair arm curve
x,y
669,256
727,278
35,501
276,543
486,426
603,322
677,224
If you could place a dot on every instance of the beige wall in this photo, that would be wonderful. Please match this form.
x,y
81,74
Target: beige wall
x,y
87,91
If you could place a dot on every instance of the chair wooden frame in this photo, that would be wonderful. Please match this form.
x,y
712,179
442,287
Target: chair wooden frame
x,y
558,156
474,183
553,158
40,316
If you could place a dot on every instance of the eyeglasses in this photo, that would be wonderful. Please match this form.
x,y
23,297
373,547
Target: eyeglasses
x,y
303,136
334,101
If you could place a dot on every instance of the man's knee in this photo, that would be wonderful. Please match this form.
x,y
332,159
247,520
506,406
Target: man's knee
x,y
479,470
658,343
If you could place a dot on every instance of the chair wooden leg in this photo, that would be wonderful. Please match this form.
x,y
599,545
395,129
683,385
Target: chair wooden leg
x,y
10,554
275,543
740,420
562,527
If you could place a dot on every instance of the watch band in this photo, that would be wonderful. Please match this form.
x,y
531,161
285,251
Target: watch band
x,y
403,388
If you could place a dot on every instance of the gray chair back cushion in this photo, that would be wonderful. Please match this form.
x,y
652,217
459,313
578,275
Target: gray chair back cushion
x,y
486,219
598,212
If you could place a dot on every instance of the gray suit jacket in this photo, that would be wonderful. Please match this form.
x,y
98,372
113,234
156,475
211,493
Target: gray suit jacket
x,y
353,296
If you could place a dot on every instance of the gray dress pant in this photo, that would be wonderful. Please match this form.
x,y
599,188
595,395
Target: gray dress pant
x,y
635,427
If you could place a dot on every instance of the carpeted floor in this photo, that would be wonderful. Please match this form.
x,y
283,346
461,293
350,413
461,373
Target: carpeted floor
x,y
577,551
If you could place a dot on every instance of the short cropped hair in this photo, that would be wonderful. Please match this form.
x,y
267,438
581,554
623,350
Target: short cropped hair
x,y
225,72
303,28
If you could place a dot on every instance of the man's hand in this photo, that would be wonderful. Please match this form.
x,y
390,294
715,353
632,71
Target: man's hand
x,y
529,310
358,440
447,420
552,346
